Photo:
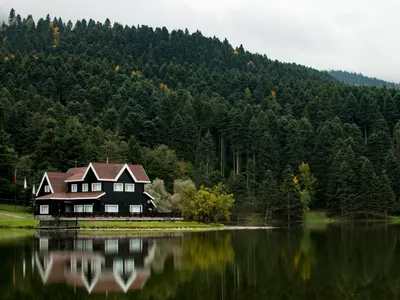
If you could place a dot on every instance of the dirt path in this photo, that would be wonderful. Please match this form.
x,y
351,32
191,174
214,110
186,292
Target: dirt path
x,y
12,215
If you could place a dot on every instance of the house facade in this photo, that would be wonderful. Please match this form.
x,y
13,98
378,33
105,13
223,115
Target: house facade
x,y
97,188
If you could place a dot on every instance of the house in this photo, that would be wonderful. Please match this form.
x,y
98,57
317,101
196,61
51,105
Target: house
x,y
97,188
96,264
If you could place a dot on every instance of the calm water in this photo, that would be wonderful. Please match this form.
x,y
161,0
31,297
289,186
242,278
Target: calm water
x,y
338,262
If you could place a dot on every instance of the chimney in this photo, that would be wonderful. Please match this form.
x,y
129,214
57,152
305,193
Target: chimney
x,y
107,161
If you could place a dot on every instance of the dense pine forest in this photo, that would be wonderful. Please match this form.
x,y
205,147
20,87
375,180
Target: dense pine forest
x,y
189,106
359,79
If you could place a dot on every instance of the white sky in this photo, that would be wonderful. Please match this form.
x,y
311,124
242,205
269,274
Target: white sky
x,y
354,35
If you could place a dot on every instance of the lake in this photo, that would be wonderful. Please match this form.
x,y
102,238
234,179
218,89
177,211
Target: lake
x,y
350,261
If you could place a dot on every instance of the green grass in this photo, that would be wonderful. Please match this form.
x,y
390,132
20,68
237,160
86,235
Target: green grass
x,y
16,217
20,210
17,222
145,225
317,217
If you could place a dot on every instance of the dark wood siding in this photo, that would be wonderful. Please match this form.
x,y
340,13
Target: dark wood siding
x,y
89,179
123,199
41,190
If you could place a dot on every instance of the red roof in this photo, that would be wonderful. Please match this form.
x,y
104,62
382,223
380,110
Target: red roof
x,y
57,181
72,196
108,172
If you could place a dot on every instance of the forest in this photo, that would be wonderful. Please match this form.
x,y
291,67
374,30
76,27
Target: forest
x,y
359,79
188,106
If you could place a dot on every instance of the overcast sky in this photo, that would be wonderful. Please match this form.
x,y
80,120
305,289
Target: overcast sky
x,y
354,35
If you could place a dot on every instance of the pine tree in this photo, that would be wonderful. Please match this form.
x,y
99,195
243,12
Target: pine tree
x,y
387,203
289,204
268,195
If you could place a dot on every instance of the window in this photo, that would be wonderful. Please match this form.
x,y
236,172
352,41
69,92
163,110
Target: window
x,y
78,208
129,187
111,246
44,209
74,188
135,208
88,208
135,245
111,208
46,189
118,187
43,244
83,245
85,187
96,187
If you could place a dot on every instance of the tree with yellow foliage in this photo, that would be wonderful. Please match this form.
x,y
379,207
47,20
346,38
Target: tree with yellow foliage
x,y
290,205
206,204
305,184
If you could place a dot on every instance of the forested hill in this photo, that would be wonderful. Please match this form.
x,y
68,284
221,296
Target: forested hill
x,y
185,105
361,80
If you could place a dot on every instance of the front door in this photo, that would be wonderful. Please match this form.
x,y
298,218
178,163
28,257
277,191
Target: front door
x,y
68,208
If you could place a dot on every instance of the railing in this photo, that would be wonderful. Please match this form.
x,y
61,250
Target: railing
x,y
119,215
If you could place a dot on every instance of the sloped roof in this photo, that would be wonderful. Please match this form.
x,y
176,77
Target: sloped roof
x,y
108,172
76,173
57,181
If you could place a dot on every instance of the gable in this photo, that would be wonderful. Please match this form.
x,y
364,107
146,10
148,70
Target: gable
x,y
90,176
45,181
126,177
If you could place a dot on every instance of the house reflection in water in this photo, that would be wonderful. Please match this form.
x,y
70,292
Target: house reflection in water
x,y
100,265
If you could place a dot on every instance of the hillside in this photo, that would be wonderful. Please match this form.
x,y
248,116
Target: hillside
x,y
361,80
185,105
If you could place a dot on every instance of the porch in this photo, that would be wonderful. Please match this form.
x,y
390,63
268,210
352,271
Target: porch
x,y
105,216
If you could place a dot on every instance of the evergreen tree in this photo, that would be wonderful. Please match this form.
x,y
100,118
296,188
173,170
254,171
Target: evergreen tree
x,y
289,205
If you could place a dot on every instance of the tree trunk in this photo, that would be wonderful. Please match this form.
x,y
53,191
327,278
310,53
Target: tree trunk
x,y
365,133
222,154
247,173
234,163
237,163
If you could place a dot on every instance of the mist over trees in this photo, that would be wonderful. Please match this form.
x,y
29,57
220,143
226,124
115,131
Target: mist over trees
x,y
188,106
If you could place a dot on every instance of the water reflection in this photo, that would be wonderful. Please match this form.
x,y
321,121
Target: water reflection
x,y
350,261
100,265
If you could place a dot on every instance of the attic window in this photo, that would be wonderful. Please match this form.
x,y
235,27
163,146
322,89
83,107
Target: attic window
x,y
129,187
118,187
74,188
47,189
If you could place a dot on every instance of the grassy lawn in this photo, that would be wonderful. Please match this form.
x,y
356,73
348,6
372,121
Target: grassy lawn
x,y
144,225
9,221
317,217
16,217
19,210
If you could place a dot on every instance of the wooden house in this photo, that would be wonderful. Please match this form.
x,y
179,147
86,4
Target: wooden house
x,y
97,188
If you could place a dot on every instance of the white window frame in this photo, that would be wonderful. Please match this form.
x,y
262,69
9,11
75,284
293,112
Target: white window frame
x,y
88,208
85,187
47,189
78,208
118,187
132,206
135,245
131,188
83,245
110,205
44,209
94,185
74,188
111,246
43,244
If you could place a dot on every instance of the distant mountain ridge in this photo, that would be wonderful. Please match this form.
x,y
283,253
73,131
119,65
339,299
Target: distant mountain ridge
x,y
361,80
